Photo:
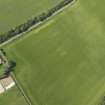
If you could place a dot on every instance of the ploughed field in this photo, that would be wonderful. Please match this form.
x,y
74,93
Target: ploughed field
x,y
63,61
16,12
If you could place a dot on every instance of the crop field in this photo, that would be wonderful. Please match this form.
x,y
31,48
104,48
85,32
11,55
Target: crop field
x,y
63,61
16,12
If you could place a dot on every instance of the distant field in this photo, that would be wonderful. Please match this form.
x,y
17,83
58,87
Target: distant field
x,y
63,63
16,12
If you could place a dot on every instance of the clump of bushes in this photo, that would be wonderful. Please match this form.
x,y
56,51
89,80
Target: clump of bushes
x,y
8,65
12,65
102,101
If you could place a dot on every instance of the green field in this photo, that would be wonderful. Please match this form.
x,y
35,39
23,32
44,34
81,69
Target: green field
x,y
16,12
62,62
1,70
12,97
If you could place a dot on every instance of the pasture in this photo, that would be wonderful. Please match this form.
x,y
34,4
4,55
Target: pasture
x,y
63,61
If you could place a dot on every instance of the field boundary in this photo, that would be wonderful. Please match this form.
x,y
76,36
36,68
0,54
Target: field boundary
x,y
27,99
36,25
8,80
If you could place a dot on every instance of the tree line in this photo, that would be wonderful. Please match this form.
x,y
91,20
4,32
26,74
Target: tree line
x,y
29,23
